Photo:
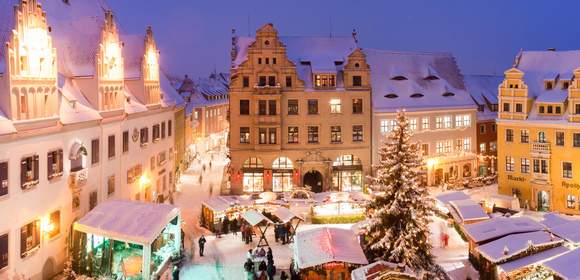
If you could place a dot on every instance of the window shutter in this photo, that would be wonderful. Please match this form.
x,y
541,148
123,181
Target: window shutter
x,y
23,170
60,161
49,160
36,167
23,231
3,178
3,251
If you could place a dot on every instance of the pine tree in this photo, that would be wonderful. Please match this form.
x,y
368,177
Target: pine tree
x,y
398,218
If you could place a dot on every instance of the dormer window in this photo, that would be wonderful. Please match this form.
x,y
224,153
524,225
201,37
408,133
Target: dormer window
x,y
356,65
416,95
391,95
549,85
513,85
448,94
267,43
431,78
399,78
565,84
324,80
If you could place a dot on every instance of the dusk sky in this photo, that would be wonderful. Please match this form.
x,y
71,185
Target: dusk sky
x,y
194,36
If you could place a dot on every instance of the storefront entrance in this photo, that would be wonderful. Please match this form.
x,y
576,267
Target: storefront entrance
x,y
313,181
543,201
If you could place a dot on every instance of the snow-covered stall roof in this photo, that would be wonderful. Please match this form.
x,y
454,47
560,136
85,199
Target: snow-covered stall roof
x,y
448,196
569,231
218,204
254,217
532,259
327,244
566,265
130,221
495,251
416,81
468,210
285,215
500,226
380,269
555,219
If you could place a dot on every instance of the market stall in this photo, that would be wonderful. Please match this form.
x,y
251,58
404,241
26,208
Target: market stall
x,y
288,217
214,210
259,221
127,239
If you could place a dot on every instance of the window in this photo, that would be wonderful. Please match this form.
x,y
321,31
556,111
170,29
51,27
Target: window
x,y
272,135
509,135
550,110
152,162
565,84
540,166
312,106
53,224
558,110
387,125
29,172
335,106
93,199
509,163
272,81
439,147
272,107
244,135
567,170
262,107
54,164
519,108
462,121
3,251
493,127
524,136
447,122
356,81
324,80
466,144
246,81
111,185
525,165
438,122
425,149
3,185
506,107
571,201
244,107
482,148
425,123
144,136
292,107
448,146
542,137
313,134
357,106
413,124
493,146
111,144
29,238
262,135
267,60
576,140
259,60
559,138
357,133
95,151
482,129
169,128
577,109
288,81
542,109
156,133
292,134
273,60
549,85
335,134
262,81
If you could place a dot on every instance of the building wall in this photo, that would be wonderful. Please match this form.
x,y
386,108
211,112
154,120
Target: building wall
x,y
487,146
180,140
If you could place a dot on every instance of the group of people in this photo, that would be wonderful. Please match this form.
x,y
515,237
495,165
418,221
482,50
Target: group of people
x,y
282,232
266,269
247,233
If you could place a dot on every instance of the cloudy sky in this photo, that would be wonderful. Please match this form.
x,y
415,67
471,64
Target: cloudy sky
x,y
194,36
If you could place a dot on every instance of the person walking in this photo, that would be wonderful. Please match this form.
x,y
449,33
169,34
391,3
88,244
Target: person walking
x,y
270,256
243,232
226,225
271,270
276,232
201,243
283,275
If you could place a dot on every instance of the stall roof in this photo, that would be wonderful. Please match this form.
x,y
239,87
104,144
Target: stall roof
x,y
499,227
446,197
327,244
130,221
566,265
217,204
468,210
254,217
532,259
380,269
515,244
285,215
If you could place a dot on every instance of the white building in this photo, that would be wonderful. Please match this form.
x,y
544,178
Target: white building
x,y
84,117
430,87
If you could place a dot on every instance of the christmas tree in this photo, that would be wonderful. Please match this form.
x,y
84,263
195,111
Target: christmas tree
x,y
399,215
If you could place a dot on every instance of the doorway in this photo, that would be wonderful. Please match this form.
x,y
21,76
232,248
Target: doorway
x,y
543,201
313,181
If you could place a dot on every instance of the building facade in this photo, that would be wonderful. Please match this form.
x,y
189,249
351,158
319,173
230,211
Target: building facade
x,y
300,112
83,118
538,135
483,90
431,90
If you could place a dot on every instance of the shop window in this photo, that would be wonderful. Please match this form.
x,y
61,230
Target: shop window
x,y
244,135
244,107
292,134
54,164
357,106
356,81
559,138
335,134
282,168
29,238
567,170
111,185
313,134
156,133
357,133
29,172
293,107
3,180
111,146
312,106
347,173
95,151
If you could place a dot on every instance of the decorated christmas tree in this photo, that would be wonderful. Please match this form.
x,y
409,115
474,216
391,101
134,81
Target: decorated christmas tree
x,y
399,215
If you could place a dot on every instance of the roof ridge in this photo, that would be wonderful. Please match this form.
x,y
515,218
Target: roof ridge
x,y
409,52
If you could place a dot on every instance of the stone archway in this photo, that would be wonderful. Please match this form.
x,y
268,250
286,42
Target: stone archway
x,y
313,181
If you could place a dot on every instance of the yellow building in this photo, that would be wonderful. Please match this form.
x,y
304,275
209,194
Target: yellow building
x,y
539,132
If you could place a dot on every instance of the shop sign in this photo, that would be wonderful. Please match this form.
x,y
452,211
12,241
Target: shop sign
x,y
570,185
516,178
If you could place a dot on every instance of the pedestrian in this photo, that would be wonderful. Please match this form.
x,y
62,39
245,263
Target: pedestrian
x,y
270,256
271,270
243,232
210,165
234,226
250,233
283,234
201,243
276,232
262,267
226,225
249,255
283,275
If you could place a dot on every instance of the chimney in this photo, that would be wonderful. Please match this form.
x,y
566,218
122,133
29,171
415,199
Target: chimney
x,y
234,50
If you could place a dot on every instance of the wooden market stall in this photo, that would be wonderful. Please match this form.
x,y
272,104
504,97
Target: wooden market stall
x,y
288,217
259,221
127,239
327,253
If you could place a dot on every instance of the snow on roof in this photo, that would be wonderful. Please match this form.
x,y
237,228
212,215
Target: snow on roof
x,y
553,219
414,67
483,88
569,230
254,217
380,269
500,226
170,96
327,244
285,215
217,204
448,196
130,221
532,259
566,265
132,104
494,251
468,210
133,53
6,126
74,108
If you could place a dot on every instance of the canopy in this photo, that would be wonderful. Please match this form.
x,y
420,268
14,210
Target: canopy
x,y
566,265
130,221
327,244
217,204
499,227
254,217
468,210
285,215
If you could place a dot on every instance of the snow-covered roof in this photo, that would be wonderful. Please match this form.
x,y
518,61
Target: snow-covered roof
x,y
532,259
554,219
380,269
132,104
6,126
484,90
566,265
327,244
425,76
448,196
131,221
495,251
74,107
570,231
170,96
500,226
254,217
133,53
285,215
218,203
468,210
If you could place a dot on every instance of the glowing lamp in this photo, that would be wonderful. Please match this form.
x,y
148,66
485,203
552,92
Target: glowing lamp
x,y
432,162
144,181
46,225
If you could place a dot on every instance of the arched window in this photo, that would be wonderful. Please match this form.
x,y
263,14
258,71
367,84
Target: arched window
x,y
346,160
253,162
282,175
282,163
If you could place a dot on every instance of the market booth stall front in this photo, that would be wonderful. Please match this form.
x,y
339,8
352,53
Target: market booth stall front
x,y
127,239
327,253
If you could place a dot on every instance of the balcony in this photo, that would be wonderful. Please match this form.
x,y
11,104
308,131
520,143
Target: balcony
x,y
268,89
541,149
77,179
